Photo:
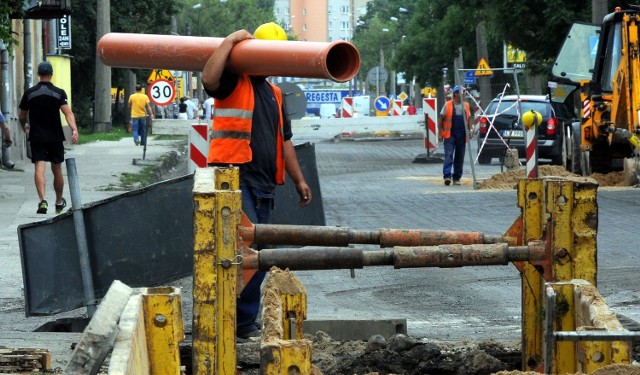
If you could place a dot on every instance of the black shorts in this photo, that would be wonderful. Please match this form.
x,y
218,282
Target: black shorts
x,y
47,151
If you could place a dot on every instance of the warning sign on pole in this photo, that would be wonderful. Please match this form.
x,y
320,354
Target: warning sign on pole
x,y
483,69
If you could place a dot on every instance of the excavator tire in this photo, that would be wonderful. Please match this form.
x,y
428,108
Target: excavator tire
x,y
632,171
575,162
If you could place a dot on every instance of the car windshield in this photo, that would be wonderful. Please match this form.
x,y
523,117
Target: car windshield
x,y
509,107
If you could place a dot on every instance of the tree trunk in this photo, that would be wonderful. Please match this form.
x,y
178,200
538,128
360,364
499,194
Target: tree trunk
x,y
598,11
483,52
129,88
102,94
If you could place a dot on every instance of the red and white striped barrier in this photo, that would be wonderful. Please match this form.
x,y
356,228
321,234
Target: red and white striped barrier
x,y
532,145
476,118
347,107
429,106
531,120
396,108
198,146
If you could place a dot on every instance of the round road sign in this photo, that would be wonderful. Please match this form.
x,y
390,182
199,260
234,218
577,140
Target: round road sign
x,y
382,103
161,92
377,76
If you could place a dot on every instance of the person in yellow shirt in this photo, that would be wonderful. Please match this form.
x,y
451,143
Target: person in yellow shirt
x,y
139,105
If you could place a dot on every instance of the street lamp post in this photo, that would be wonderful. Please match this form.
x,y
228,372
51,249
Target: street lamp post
x,y
198,74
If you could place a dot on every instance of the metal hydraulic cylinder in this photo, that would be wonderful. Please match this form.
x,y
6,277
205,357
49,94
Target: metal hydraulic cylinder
x,y
338,61
320,258
308,235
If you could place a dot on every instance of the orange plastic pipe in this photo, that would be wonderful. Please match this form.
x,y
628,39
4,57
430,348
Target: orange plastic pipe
x,y
338,61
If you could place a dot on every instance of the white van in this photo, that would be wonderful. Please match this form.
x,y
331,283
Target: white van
x,y
327,110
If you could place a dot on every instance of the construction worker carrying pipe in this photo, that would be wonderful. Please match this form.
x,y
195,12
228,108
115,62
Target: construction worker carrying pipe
x,y
250,129
452,131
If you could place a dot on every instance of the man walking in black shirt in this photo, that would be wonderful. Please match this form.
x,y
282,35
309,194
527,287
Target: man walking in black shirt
x,y
42,104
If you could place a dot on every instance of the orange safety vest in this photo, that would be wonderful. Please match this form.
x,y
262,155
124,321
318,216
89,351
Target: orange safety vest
x,y
447,123
231,129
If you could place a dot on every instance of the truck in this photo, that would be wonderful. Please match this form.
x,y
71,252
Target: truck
x,y
599,66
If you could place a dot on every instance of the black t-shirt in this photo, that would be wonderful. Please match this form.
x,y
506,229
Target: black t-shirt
x,y
182,107
260,172
43,102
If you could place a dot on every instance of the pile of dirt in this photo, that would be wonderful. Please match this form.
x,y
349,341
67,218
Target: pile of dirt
x,y
399,354
405,355
509,179
611,179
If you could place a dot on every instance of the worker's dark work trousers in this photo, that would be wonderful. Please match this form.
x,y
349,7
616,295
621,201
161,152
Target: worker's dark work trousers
x,y
258,210
454,148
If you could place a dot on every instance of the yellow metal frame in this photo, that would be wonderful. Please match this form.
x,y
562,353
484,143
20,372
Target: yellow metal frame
x,y
564,213
284,297
217,214
579,306
164,329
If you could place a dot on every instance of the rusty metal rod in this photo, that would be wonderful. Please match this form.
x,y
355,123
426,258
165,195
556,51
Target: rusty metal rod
x,y
321,258
308,235
464,255
338,61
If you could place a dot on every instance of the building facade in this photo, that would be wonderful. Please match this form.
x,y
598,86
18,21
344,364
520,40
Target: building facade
x,y
319,20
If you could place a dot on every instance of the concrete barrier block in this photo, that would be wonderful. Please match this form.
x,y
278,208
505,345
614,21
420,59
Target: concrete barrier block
x,y
98,338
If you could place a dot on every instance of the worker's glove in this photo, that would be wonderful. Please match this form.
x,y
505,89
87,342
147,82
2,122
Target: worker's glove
x,y
6,143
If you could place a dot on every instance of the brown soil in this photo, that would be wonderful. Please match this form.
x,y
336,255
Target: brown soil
x,y
509,179
405,355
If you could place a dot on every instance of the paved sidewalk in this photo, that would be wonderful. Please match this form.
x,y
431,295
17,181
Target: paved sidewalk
x,y
99,166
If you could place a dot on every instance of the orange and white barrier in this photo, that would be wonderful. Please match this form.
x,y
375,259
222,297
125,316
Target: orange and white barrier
x,y
429,106
396,108
347,107
198,146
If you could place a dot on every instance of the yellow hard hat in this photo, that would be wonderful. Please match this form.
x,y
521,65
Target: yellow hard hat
x,y
531,118
270,31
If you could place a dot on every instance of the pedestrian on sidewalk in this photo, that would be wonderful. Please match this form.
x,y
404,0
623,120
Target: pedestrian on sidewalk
x,y
6,134
39,116
139,106
455,138
251,130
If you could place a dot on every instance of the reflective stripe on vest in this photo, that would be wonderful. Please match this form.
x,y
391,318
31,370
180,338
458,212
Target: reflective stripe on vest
x,y
231,128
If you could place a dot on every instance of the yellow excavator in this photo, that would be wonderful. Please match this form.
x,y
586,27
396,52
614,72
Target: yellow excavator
x,y
603,63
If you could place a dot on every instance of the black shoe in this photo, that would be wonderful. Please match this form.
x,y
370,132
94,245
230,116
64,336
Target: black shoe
x,y
61,206
42,207
247,336
447,181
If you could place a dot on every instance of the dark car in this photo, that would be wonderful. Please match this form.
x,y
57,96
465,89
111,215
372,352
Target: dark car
x,y
551,145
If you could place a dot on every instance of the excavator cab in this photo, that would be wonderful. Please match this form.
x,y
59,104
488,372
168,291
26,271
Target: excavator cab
x,y
603,62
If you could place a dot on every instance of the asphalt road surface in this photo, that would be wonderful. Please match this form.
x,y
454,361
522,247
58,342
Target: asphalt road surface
x,y
373,185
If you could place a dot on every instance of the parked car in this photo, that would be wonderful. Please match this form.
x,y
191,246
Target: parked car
x,y
556,118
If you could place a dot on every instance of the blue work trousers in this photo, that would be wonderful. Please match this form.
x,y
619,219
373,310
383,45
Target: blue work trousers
x,y
257,206
139,125
453,157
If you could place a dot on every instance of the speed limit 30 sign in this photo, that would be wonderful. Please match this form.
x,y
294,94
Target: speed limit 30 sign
x,y
161,92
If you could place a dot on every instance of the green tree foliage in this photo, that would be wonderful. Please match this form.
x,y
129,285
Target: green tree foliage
x,y
219,19
126,16
435,29
9,8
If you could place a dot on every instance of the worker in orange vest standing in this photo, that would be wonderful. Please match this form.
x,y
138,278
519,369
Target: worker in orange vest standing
x,y
251,130
451,130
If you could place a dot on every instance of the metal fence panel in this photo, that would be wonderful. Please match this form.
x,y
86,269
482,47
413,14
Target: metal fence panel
x,y
143,238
